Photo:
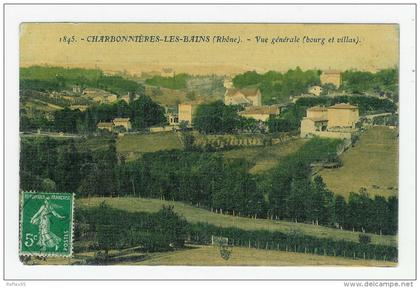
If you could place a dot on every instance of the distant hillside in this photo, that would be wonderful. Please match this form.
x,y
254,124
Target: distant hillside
x,y
45,78
51,73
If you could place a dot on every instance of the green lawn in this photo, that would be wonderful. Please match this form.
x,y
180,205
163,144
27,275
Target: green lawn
x,y
372,163
194,215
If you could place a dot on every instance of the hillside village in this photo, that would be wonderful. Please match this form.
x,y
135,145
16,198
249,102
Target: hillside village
x,y
336,121
256,147
323,110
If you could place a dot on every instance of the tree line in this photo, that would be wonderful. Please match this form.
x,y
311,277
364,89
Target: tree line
x,y
207,179
107,228
382,83
292,241
48,78
177,81
366,105
277,87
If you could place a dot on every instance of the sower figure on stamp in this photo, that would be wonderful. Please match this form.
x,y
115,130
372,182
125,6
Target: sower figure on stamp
x,y
47,239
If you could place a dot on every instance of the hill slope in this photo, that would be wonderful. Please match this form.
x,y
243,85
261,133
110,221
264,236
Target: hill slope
x,y
194,215
372,163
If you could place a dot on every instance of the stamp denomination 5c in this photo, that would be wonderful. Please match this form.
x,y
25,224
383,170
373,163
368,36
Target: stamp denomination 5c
x,y
46,224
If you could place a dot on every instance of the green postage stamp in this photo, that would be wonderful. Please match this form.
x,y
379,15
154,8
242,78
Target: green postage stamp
x,y
46,224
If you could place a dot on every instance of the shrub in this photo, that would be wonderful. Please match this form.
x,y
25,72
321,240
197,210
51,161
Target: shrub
x,y
364,239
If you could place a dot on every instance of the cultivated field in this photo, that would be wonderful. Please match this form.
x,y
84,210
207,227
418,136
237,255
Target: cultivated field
x,y
265,158
372,163
194,215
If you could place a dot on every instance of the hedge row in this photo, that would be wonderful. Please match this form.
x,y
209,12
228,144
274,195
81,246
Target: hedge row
x,y
200,233
109,228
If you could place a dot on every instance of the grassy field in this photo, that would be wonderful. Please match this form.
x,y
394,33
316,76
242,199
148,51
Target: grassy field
x,y
267,157
133,145
194,215
372,163
210,256
197,255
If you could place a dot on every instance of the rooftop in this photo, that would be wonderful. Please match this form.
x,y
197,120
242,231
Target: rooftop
x,y
121,119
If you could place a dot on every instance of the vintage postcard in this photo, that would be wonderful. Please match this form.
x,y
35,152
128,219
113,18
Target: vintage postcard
x,y
209,144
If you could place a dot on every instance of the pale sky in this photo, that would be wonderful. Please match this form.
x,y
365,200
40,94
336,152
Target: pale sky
x,y
377,48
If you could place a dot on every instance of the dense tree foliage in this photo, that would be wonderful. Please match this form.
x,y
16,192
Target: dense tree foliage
x,y
208,180
366,105
277,87
278,124
216,118
36,121
145,113
383,82
69,168
116,229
